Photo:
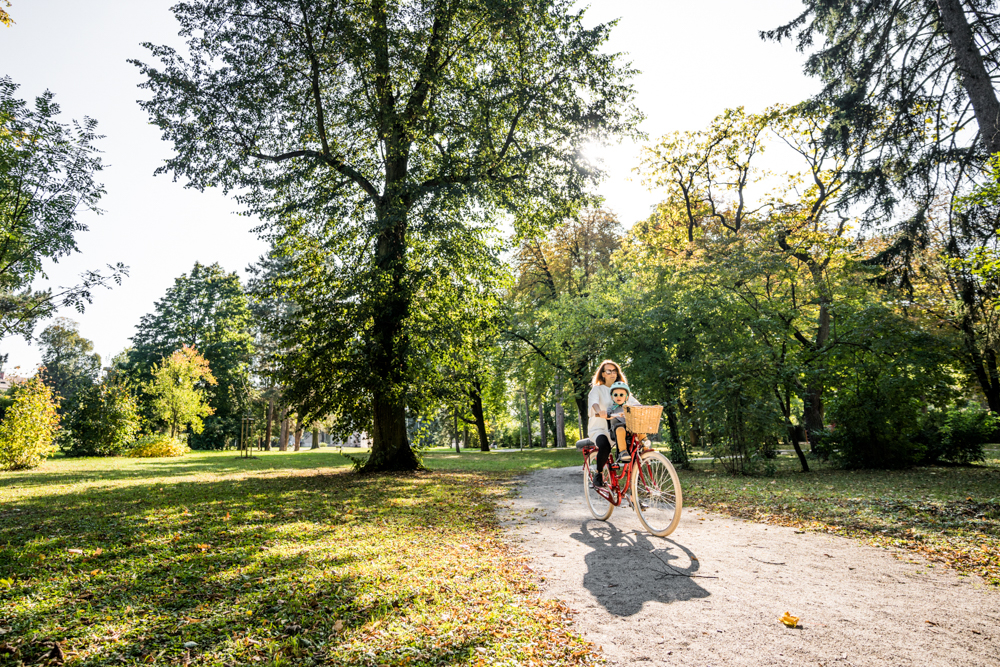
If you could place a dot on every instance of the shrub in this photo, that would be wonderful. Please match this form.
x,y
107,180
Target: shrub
x,y
957,435
741,429
876,427
157,445
103,422
28,426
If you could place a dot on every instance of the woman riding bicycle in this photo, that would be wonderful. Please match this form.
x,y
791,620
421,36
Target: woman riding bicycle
x,y
600,404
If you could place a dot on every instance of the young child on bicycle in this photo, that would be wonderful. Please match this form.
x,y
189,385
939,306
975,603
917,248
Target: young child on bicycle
x,y
612,415
620,395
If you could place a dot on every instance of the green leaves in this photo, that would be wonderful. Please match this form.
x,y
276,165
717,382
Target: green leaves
x,y
176,390
376,140
47,172
69,360
103,421
28,426
206,309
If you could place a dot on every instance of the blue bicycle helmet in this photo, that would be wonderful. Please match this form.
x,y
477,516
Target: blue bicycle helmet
x,y
620,385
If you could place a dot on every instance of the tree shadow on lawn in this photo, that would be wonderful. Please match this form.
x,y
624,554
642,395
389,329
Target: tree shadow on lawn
x,y
248,570
626,570
109,469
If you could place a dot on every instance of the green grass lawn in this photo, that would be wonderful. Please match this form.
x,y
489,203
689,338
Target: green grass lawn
x,y
288,558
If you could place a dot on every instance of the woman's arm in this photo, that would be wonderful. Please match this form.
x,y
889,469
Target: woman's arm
x,y
595,403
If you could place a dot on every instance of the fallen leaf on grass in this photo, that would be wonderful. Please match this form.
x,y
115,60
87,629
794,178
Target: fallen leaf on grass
x,y
75,551
789,620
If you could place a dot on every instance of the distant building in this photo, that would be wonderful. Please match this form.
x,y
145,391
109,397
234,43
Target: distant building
x,y
8,381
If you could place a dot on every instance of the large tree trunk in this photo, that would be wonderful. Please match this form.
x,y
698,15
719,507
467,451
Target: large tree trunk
x,y
479,416
813,400
270,420
984,368
580,394
974,77
388,344
786,411
315,442
298,434
527,417
283,445
391,449
672,424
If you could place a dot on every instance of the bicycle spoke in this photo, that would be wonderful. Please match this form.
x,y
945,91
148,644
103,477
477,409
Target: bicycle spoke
x,y
599,506
657,492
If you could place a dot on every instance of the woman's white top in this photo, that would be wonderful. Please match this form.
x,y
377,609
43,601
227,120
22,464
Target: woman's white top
x,y
601,395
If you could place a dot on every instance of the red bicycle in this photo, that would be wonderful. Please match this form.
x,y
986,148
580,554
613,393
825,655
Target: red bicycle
x,y
648,482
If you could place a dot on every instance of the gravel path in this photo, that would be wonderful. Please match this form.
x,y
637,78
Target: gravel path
x,y
712,593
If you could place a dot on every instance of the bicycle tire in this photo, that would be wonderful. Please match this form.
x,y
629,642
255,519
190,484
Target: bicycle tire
x,y
599,506
655,484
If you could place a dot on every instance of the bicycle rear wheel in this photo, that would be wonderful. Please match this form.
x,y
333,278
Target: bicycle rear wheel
x,y
656,494
599,506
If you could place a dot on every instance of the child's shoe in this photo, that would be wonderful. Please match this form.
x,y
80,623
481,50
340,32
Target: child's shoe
x,y
624,456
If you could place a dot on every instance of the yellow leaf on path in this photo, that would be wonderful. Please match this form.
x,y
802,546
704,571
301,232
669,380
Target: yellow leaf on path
x,y
789,620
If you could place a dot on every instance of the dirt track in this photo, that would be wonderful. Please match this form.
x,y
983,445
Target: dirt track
x,y
712,593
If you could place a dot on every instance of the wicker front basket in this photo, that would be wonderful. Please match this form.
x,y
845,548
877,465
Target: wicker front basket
x,y
643,418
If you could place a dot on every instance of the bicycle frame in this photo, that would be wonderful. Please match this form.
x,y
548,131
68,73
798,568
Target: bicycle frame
x,y
615,493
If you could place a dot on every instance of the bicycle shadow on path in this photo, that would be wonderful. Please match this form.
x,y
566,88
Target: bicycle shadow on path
x,y
712,592
627,570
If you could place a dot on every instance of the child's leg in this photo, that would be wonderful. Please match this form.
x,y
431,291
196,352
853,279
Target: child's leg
x,y
620,437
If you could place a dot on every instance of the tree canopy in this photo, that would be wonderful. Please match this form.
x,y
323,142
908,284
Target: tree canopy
x,y
47,175
177,390
205,309
380,132
69,360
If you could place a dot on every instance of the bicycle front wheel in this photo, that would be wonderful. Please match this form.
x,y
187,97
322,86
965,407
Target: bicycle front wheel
x,y
599,506
656,494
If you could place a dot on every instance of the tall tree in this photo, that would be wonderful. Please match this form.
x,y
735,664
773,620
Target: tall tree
x,y
380,122
910,86
550,315
69,360
178,392
206,309
47,175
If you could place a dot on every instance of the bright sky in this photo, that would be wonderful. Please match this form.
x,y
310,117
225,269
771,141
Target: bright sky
x,y
695,58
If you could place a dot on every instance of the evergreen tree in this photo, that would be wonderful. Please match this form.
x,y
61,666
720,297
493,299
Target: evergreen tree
x,y
909,87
